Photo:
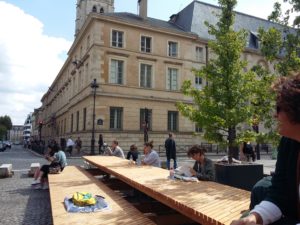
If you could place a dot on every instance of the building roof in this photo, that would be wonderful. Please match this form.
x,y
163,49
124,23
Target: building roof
x,y
193,16
151,22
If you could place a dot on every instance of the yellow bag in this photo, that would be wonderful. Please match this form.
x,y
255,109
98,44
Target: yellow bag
x,y
83,199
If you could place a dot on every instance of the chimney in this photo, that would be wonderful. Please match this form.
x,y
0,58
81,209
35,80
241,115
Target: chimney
x,y
143,8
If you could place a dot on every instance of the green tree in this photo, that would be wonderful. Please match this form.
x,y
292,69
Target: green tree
x,y
3,132
232,97
287,49
6,124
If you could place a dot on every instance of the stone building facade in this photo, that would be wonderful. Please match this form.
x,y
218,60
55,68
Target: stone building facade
x,y
139,64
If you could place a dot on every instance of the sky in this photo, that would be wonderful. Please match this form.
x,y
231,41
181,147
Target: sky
x,y
36,35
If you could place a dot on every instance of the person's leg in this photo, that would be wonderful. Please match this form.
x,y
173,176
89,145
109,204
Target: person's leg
x,y
168,163
259,191
175,164
253,156
36,174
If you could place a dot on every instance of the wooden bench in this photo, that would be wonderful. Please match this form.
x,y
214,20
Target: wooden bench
x,y
205,202
74,179
6,170
33,168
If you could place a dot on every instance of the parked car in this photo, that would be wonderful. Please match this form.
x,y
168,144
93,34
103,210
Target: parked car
x,y
2,147
7,144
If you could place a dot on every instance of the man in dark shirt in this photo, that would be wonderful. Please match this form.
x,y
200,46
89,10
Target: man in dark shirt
x,y
170,146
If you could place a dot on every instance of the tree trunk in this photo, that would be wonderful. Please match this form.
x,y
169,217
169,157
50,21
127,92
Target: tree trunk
x,y
232,148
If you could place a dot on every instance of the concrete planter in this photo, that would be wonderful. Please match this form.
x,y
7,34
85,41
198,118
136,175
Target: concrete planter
x,y
243,176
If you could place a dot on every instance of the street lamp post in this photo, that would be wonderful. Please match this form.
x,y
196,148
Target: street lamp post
x,y
146,125
94,86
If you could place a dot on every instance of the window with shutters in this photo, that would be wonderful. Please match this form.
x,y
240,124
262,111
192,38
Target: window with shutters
x,y
116,73
172,79
146,44
117,39
172,121
145,75
116,118
172,49
143,118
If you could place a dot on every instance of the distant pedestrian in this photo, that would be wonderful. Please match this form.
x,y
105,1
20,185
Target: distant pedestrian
x,y
170,146
101,144
248,151
78,144
70,144
63,144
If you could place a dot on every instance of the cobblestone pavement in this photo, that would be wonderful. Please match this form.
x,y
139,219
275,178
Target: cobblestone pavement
x,y
22,205
19,203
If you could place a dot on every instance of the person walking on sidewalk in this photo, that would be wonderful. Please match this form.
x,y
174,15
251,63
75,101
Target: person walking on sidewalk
x,y
101,144
70,144
170,146
78,145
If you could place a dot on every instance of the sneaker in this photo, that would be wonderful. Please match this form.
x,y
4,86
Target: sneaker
x,y
35,182
37,186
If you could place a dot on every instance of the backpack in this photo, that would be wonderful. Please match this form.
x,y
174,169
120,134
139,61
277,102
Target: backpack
x,y
83,199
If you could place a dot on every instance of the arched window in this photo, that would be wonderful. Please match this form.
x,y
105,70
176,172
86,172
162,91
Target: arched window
x,y
101,10
94,9
263,63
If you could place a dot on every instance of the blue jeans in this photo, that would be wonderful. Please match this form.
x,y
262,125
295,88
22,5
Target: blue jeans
x,y
169,162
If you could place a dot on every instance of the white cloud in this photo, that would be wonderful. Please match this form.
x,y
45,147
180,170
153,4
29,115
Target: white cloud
x,y
29,62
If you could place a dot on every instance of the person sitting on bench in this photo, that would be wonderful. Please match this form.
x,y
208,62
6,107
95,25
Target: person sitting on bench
x,y
58,163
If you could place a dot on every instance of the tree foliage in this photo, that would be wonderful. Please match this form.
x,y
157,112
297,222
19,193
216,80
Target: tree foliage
x,y
287,48
232,97
5,125
6,122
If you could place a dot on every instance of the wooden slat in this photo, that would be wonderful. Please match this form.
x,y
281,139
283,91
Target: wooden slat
x,y
205,202
74,179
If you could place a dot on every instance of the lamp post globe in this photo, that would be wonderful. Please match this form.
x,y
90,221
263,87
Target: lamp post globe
x,y
94,86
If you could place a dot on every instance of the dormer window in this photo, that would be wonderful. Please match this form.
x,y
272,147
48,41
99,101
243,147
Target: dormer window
x,y
101,10
254,40
94,9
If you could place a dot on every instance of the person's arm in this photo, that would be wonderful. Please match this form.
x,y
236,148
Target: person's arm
x,y
128,155
108,151
268,212
208,171
150,160
252,219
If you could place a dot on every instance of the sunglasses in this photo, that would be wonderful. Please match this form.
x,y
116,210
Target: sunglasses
x,y
278,109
